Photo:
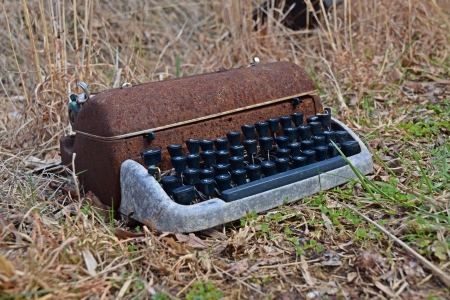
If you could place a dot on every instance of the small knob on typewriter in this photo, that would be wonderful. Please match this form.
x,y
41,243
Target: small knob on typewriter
x,y
310,156
319,140
221,144
329,136
193,145
253,172
273,124
282,164
207,145
234,137
251,146
283,152
312,119
239,176
315,128
332,150
298,161
151,157
321,153
262,128
285,121
268,168
223,182
179,163
184,194
291,133
174,150
237,150
236,162
206,186
169,183
341,136
191,176
307,145
220,169
325,119
297,118
222,156
248,130
350,148
208,157
206,173
295,148
282,141
304,132
266,143
193,160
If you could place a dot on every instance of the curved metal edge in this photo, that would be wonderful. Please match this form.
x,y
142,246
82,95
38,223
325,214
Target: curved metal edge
x,y
143,195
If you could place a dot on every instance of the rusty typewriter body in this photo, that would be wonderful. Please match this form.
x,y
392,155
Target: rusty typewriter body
x,y
116,125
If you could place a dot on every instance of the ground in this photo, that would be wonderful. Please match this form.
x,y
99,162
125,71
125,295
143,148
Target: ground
x,y
383,66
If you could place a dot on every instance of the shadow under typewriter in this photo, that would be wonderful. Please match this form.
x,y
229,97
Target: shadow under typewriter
x,y
207,188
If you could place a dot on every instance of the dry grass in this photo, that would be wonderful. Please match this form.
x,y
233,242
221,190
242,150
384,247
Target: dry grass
x,y
373,51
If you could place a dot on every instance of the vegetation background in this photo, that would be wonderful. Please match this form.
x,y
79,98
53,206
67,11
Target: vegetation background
x,y
382,65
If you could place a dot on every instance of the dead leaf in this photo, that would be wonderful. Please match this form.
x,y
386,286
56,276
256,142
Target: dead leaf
x,y
124,234
351,276
6,266
331,263
191,240
214,234
282,274
90,261
328,223
440,250
239,267
437,79
384,289
304,267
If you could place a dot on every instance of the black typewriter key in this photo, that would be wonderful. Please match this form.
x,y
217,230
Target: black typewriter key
x,y
223,182
151,170
307,145
262,128
310,156
206,173
193,145
294,148
249,131
253,172
329,136
315,128
312,119
222,156
184,194
221,144
179,163
283,152
169,183
273,124
234,137
321,153
265,143
319,140
291,133
282,141
298,161
174,150
325,119
268,168
191,176
341,136
297,118
237,150
332,150
193,160
207,145
151,157
304,132
251,146
220,169
208,157
236,162
285,121
239,176
206,186
282,164
350,148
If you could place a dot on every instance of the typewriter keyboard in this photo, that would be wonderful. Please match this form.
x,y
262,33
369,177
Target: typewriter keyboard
x,y
253,160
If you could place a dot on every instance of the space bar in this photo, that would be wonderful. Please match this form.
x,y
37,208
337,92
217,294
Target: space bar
x,y
281,179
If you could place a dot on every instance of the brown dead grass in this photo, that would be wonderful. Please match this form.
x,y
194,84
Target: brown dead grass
x,y
50,249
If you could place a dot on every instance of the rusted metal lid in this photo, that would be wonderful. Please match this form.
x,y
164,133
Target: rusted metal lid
x,y
120,113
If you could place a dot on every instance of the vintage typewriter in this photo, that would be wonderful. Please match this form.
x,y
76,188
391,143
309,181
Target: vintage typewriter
x,y
195,152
